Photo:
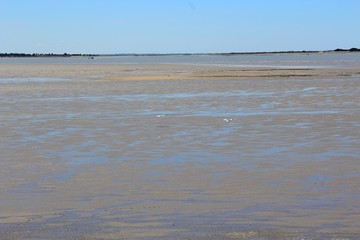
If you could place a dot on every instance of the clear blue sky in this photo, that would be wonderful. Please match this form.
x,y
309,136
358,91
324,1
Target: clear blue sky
x,y
177,26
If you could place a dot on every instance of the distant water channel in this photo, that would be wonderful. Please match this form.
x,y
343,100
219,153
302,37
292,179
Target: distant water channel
x,y
265,60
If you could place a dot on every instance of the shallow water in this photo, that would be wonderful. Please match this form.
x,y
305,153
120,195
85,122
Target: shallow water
x,y
317,60
156,158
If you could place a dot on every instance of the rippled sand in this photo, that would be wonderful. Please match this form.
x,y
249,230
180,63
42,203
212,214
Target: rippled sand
x,y
85,155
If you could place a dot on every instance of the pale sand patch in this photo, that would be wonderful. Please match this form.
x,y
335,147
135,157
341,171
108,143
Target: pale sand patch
x,y
159,71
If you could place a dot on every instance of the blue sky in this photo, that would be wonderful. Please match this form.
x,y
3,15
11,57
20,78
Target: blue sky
x,y
177,26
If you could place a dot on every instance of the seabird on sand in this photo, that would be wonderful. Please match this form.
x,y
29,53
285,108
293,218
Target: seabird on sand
x,y
228,120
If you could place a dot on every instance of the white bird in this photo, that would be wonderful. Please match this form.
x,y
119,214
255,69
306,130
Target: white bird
x,y
161,115
228,120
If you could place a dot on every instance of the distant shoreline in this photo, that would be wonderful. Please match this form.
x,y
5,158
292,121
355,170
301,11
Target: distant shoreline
x,y
15,55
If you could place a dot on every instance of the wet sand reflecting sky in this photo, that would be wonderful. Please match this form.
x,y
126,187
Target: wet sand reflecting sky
x,y
98,159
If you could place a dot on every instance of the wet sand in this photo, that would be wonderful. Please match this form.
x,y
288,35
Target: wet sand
x,y
88,154
162,71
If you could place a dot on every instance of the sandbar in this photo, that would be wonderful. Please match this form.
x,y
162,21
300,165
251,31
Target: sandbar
x,y
161,71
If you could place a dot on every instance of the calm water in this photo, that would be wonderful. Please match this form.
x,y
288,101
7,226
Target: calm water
x,y
273,60
160,151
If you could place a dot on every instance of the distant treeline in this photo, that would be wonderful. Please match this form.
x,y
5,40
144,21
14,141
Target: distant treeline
x,y
347,50
134,54
44,55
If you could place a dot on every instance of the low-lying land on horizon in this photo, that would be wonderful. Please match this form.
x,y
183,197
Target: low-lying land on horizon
x,y
167,54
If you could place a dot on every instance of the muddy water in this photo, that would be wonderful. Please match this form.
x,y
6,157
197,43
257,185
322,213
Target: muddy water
x,y
92,159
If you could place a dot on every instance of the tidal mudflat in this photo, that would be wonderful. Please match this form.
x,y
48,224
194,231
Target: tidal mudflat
x,y
124,150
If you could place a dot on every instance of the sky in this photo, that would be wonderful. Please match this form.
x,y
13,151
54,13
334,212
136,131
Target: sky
x,y
177,26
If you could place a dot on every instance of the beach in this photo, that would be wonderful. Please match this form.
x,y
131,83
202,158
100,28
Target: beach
x,y
137,148
147,70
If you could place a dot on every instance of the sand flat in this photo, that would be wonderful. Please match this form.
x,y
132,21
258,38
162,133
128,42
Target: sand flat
x,y
86,155
151,71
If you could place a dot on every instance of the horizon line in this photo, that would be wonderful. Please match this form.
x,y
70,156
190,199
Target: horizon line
x,y
3,54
